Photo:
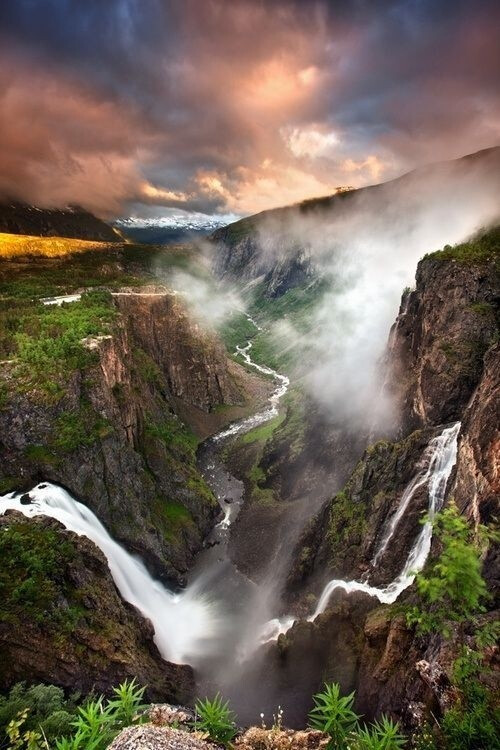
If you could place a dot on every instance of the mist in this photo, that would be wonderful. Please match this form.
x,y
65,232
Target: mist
x,y
368,243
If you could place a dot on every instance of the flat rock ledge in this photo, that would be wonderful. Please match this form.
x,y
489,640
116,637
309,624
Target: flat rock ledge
x,y
150,737
153,737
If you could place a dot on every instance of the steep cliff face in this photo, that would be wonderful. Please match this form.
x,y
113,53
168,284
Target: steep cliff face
x,y
63,622
445,362
477,485
342,540
193,361
438,345
243,252
114,438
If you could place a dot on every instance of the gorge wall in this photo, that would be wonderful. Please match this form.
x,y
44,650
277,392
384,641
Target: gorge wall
x,y
443,362
114,438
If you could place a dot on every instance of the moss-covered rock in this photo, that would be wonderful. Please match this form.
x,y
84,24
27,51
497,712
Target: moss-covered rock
x,y
62,620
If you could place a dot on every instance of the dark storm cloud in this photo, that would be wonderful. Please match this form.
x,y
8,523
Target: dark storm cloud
x,y
240,105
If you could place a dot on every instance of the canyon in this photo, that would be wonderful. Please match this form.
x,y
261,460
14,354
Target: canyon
x,y
219,527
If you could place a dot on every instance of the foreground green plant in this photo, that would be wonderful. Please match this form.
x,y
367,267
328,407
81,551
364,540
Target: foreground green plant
x,y
334,714
98,722
46,710
381,735
473,722
216,719
21,738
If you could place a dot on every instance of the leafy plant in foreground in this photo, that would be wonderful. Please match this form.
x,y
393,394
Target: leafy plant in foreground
x,y
381,735
216,719
333,713
97,723
20,738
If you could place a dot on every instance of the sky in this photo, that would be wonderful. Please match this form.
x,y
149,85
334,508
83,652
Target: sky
x,y
149,107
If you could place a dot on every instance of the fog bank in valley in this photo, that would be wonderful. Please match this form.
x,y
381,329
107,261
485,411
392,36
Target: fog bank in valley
x,y
369,243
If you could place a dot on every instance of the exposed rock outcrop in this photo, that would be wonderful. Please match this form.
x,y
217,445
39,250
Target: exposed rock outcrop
x,y
439,341
71,628
193,361
445,367
151,737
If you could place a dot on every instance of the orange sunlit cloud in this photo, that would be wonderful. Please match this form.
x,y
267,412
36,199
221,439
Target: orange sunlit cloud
x,y
236,106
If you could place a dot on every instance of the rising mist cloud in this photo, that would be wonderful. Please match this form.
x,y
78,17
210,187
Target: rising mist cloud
x,y
369,244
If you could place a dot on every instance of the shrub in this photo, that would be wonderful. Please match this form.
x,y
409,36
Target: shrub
x,y
450,588
31,578
48,711
216,719
334,714
98,722
381,735
473,722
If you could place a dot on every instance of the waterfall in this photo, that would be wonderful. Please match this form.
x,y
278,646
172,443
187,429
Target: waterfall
x,y
185,623
442,456
442,461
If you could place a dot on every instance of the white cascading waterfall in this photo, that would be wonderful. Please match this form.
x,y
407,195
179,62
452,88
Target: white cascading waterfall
x,y
188,623
441,458
185,623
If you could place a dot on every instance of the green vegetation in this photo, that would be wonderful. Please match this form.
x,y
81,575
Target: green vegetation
x,y
235,330
98,721
484,247
45,341
346,524
482,308
79,428
216,719
180,443
34,559
147,369
41,709
450,588
334,714
262,433
473,722
175,435
452,592
173,518
49,338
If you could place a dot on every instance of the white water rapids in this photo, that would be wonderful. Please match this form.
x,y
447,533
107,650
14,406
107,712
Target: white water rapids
x,y
440,458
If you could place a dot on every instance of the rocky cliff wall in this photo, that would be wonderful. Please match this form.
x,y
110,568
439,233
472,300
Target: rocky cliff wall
x,y
73,629
114,439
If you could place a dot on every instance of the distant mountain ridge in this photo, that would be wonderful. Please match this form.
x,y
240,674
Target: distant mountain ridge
x,y
73,222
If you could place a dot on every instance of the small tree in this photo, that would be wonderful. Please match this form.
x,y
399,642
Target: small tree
x,y
450,588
